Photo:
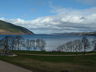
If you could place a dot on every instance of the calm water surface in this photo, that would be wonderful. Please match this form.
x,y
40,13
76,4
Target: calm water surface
x,y
53,41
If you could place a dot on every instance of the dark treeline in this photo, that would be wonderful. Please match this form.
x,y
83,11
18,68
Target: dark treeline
x,y
18,43
77,45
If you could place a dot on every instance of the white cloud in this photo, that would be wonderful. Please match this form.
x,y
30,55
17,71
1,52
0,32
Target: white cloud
x,y
2,18
66,20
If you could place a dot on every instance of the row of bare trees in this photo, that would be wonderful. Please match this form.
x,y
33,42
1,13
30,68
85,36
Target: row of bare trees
x,y
77,45
35,44
18,43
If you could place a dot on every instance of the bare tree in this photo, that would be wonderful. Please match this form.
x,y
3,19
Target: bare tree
x,y
77,45
40,43
64,47
94,43
19,42
2,44
12,43
71,46
6,47
85,44
67,47
60,48
28,44
33,44
43,43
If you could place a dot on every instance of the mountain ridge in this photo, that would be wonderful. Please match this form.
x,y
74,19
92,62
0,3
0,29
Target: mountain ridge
x,y
11,29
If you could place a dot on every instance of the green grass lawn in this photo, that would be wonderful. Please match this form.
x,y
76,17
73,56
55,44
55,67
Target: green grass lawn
x,y
51,53
82,63
40,52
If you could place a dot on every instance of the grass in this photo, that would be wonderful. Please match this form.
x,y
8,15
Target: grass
x,y
51,53
92,52
12,28
2,31
51,58
53,63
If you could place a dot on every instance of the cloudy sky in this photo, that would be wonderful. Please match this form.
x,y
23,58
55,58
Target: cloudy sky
x,y
50,16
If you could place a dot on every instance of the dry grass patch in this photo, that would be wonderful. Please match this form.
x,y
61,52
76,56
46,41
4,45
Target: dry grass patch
x,y
43,66
54,64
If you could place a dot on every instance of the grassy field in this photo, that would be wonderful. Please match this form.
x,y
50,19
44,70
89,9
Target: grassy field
x,y
51,53
82,63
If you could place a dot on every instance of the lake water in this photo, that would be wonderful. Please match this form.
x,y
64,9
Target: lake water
x,y
53,41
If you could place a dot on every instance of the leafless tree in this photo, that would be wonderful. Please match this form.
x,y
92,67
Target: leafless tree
x,y
40,43
19,42
37,43
43,43
60,48
5,45
64,47
77,45
94,43
28,44
12,43
85,44
71,46
2,44
33,44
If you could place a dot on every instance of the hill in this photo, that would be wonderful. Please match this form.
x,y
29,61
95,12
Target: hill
x,y
10,29
77,33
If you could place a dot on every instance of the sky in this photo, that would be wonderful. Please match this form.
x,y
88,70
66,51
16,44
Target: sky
x,y
50,16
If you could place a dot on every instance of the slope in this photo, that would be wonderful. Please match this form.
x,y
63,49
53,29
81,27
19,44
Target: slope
x,y
10,29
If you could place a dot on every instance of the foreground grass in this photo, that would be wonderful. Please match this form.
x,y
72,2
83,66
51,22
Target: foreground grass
x,y
54,63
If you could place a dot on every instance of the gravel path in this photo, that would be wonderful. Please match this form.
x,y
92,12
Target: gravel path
x,y
7,67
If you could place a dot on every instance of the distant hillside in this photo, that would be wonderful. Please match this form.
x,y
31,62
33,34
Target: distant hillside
x,y
10,29
87,33
77,33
